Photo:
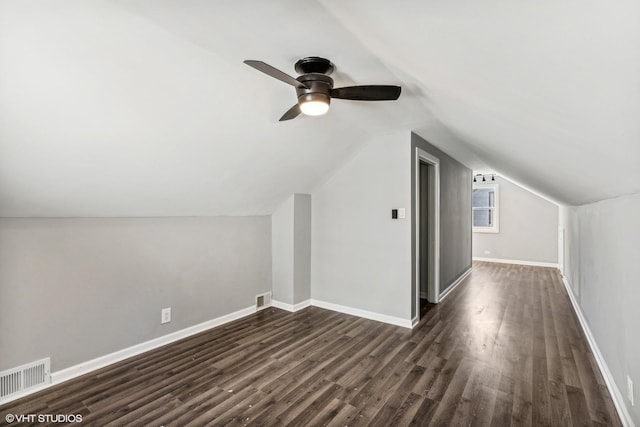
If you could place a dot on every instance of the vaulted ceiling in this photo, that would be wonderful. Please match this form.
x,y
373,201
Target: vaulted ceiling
x,y
144,107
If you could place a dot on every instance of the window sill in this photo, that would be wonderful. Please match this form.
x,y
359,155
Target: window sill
x,y
486,230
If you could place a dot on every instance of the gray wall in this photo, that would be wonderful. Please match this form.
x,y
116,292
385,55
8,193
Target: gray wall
x,y
301,248
282,251
528,227
360,257
608,254
291,249
76,289
569,254
455,213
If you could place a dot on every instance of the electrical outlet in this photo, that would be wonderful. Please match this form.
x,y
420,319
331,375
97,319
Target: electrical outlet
x,y
630,390
166,315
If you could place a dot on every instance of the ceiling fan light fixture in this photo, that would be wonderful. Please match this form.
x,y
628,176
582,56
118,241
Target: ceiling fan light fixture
x,y
314,104
314,108
314,87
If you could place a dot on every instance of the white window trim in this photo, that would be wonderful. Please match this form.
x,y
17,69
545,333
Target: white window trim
x,y
496,209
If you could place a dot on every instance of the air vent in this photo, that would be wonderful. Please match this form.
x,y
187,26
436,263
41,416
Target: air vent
x,y
22,378
263,301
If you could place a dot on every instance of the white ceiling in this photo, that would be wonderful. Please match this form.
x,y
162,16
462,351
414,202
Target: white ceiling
x,y
144,108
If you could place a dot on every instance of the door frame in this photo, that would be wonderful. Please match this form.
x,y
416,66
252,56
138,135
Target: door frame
x,y
433,288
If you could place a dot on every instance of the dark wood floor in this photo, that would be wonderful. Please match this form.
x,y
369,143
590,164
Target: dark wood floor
x,y
503,349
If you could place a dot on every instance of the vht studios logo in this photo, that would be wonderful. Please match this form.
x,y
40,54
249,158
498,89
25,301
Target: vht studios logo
x,y
43,418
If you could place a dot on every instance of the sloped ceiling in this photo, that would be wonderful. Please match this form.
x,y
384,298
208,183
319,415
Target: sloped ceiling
x,y
144,108
546,92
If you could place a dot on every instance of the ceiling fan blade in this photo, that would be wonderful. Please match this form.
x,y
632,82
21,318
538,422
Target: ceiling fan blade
x,y
275,73
291,113
367,93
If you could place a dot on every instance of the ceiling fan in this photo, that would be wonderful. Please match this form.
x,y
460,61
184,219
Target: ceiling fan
x,y
315,89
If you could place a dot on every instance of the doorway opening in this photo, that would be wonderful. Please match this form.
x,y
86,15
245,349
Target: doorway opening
x,y
427,229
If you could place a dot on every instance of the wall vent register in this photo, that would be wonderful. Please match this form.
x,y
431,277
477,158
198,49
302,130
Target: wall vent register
x,y
25,377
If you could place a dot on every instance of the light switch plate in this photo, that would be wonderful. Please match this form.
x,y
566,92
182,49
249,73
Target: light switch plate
x,y
402,213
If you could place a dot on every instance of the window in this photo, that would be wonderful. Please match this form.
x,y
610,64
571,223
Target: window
x,y
485,208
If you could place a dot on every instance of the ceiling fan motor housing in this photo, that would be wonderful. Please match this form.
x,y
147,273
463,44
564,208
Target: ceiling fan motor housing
x,y
318,88
314,64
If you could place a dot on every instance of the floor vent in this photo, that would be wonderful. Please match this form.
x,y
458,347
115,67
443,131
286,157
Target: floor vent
x,y
263,301
22,378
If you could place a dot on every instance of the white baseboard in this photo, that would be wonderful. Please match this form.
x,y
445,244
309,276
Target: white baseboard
x,y
616,396
454,284
423,295
392,320
109,359
517,261
397,321
290,307
106,360
415,321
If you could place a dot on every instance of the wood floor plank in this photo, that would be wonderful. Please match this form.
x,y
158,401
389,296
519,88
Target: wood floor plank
x,y
313,405
213,412
373,403
370,379
501,415
441,385
598,410
578,407
424,413
504,348
429,377
405,413
449,400
327,413
345,417
399,402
